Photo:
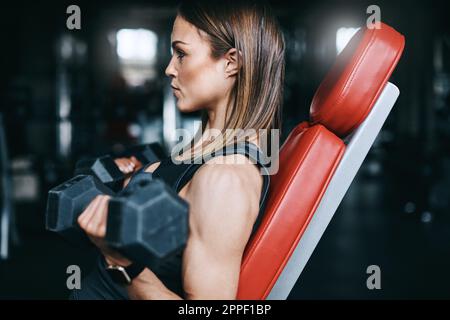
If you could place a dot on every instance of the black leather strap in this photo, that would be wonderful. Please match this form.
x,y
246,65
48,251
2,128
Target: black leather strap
x,y
134,269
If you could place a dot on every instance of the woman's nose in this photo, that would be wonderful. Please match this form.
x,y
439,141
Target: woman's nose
x,y
170,70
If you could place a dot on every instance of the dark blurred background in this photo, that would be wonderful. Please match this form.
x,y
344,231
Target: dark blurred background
x,y
68,94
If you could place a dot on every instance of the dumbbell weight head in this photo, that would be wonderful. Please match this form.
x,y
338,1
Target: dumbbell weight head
x,y
148,224
104,168
67,201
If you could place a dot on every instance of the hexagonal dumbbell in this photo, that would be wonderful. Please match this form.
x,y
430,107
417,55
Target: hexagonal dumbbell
x,y
107,171
148,223
104,168
67,201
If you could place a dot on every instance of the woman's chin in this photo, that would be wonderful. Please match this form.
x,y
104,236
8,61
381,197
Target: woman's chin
x,y
183,108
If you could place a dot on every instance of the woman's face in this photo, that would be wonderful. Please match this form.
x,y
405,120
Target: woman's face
x,y
198,80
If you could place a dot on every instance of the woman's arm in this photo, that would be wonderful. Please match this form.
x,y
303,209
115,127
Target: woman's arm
x,y
224,203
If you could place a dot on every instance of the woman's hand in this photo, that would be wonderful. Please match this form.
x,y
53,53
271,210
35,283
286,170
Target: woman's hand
x,y
93,221
128,165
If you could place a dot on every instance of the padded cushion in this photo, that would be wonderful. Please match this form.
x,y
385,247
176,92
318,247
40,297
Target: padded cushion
x,y
308,159
350,89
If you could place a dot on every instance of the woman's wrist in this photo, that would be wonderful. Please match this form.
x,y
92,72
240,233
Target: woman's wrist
x,y
147,286
110,260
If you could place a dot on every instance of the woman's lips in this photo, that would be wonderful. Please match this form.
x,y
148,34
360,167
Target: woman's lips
x,y
175,91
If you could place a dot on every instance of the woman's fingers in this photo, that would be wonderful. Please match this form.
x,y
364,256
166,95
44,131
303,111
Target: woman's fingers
x,y
92,225
85,216
84,220
125,165
93,221
97,225
136,162
104,219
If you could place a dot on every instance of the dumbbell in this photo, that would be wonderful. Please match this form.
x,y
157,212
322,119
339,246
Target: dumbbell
x,y
147,221
106,170
67,201
145,153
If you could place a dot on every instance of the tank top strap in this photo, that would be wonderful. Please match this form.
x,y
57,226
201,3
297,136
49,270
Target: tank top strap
x,y
250,150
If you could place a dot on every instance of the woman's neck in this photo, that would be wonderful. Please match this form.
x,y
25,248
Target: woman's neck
x,y
215,125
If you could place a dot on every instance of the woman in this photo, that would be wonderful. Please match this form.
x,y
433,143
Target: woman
x,y
228,61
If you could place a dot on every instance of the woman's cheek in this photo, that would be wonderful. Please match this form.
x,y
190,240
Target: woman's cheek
x,y
183,102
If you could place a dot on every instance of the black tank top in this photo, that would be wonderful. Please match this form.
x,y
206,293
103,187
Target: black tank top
x,y
178,175
99,284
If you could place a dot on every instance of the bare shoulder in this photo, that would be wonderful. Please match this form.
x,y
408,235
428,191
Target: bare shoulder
x,y
225,190
229,174
235,166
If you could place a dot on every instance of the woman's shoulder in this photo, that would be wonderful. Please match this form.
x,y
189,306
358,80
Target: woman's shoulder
x,y
230,181
223,206
233,169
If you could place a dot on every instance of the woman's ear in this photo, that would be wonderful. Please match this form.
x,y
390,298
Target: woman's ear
x,y
233,64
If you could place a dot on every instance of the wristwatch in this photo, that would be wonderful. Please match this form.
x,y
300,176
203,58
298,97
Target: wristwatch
x,y
124,275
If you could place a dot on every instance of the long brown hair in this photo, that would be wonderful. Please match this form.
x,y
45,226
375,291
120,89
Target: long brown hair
x,y
251,28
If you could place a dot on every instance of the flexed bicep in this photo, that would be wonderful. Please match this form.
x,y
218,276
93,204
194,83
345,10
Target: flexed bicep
x,y
222,212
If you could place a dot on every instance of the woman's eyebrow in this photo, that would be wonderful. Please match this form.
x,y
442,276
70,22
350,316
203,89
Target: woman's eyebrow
x,y
174,43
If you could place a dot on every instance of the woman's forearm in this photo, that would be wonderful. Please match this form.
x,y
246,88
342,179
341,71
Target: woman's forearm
x,y
147,286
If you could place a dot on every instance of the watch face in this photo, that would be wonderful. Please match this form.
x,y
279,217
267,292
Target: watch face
x,y
118,275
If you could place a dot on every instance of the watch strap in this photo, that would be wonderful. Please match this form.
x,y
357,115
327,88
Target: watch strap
x,y
134,269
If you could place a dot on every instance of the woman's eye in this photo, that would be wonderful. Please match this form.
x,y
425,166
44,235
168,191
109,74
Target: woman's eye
x,y
180,55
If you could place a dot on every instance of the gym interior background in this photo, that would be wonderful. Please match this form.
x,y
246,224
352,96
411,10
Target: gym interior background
x,y
67,94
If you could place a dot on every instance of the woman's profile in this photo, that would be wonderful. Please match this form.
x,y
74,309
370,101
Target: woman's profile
x,y
228,62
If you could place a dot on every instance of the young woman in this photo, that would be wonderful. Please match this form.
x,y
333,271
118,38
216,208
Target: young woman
x,y
228,61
